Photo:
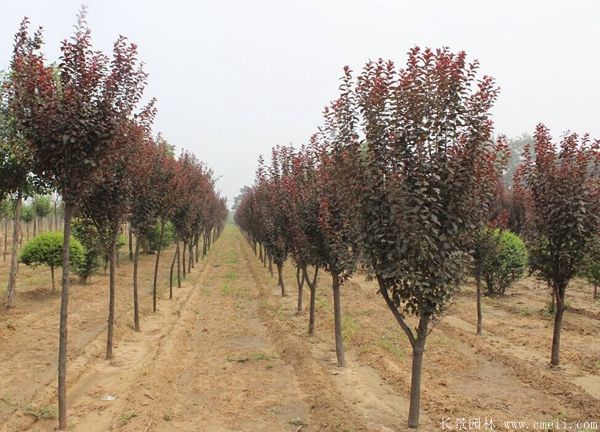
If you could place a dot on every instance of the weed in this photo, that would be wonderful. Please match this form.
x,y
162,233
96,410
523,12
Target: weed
x,y
349,327
45,412
126,417
297,421
226,289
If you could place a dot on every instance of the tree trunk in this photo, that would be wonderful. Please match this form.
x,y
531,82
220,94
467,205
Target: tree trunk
x,y
190,257
136,305
52,275
260,252
300,282
55,217
417,366
154,285
12,276
111,295
595,291
184,249
337,315
280,278
312,286
271,265
479,314
559,293
64,315
34,225
130,243
198,248
5,238
178,264
171,274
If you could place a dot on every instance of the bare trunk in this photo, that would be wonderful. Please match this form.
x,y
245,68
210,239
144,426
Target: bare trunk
x,y
136,305
183,257
260,252
337,315
479,314
300,282
198,248
52,275
417,366
154,285
171,274
34,225
12,276
178,265
280,278
64,315
312,286
111,295
271,265
190,257
5,238
559,294
55,217
130,243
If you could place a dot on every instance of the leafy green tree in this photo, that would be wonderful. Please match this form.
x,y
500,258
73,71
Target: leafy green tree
x,y
27,216
505,262
42,206
46,249
153,237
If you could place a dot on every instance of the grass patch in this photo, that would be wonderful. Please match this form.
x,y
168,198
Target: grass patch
x,y
126,417
226,289
231,275
523,311
390,344
322,302
349,327
47,412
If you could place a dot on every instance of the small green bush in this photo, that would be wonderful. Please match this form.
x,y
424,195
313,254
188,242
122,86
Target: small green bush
x,y
505,261
153,237
87,234
46,249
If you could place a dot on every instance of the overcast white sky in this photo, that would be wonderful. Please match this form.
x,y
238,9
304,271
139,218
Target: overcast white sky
x,y
234,78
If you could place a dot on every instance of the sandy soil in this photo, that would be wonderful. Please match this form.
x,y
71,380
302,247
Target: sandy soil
x,y
229,354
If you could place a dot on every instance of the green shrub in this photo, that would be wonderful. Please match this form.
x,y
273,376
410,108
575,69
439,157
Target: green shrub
x,y
505,261
153,237
87,234
46,249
